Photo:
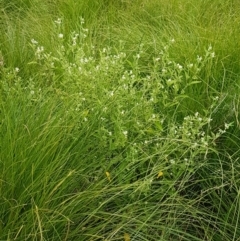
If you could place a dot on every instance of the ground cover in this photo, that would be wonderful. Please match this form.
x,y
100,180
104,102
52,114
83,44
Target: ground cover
x,y
119,120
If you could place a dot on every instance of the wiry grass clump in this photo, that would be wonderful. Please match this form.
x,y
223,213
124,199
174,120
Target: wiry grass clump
x,y
119,120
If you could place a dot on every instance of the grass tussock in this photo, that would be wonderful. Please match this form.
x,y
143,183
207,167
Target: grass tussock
x,y
119,120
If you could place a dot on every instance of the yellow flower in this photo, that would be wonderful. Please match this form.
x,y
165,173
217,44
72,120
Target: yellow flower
x,y
126,237
160,174
108,176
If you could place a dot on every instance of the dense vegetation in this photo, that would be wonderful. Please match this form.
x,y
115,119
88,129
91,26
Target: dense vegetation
x,y
119,120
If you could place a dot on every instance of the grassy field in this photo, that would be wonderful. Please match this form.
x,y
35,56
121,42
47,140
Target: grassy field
x,y
119,120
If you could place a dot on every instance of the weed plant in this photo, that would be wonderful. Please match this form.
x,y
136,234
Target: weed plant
x,y
119,120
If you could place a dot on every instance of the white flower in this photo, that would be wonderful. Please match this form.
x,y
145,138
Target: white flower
x,y
226,125
17,69
82,21
179,66
58,21
33,41
125,133
40,49
221,131
199,59
164,70
209,120
60,35
172,161
212,55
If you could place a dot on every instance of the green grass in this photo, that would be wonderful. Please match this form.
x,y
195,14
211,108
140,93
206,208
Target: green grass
x,y
119,120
